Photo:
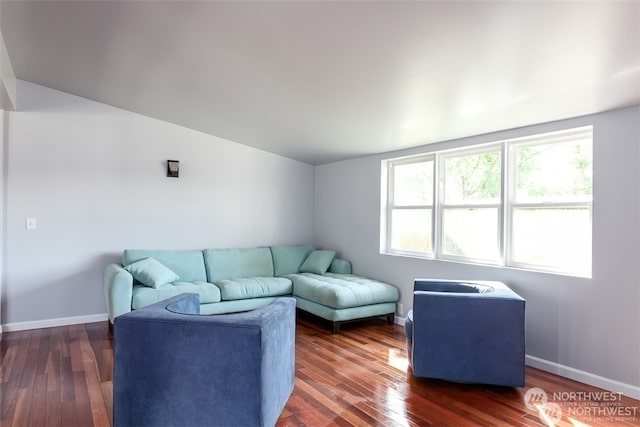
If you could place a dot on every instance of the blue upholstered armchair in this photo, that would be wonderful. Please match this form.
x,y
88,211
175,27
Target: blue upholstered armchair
x,y
174,367
469,332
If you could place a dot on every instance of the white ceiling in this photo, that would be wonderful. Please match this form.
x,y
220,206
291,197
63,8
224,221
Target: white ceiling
x,y
321,81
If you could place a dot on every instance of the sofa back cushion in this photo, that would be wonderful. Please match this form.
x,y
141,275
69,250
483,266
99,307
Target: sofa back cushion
x,y
224,264
188,265
288,259
340,266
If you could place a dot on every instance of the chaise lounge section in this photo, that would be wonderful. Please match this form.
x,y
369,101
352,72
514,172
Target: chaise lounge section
x,y
240,279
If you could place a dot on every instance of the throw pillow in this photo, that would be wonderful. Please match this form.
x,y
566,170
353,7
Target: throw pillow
x,y
317,262
151,272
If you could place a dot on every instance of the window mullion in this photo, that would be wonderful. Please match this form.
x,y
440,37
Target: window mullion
x,y
472,206
438,183
554,205
509,185
390,203
411,207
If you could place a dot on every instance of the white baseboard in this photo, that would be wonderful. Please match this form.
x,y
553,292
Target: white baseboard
x,y
50,323
584,377
574,374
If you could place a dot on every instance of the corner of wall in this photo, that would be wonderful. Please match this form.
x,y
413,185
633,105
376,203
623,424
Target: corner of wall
x,y
4,136
7,79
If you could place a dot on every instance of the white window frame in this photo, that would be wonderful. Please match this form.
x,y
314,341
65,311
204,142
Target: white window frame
x,y
512,204
506,205
442,205
391,206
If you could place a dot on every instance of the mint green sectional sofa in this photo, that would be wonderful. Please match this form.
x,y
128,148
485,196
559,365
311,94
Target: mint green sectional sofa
x,y
241,279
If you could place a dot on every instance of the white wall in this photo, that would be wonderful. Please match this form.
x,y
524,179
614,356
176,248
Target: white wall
x,y
7,102
588,325
7,78
94,178
4,128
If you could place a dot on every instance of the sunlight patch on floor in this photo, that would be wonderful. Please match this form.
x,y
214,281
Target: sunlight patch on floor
x,y
398,359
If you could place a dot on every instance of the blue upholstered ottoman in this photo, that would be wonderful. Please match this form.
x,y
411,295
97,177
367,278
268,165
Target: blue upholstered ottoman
x,y
174,367
469,332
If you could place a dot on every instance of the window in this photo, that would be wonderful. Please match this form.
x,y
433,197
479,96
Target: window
x,y
549,203
411,206
470,205
522,203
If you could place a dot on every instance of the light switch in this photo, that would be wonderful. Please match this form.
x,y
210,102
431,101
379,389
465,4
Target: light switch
x,y
30,223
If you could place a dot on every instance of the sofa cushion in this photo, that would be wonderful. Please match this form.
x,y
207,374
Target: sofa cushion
x,y
224,264
254,287
317,262
189,265
151,272
342,290
143,295
340,266
288,259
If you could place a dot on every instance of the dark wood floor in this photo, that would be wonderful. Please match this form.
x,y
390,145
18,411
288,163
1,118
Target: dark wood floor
x,y
63,377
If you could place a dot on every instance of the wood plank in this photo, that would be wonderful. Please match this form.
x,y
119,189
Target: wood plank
x,y
64,377
91,376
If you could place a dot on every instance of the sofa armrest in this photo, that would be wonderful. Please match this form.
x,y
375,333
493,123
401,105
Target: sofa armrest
x,y
340,266
118,290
